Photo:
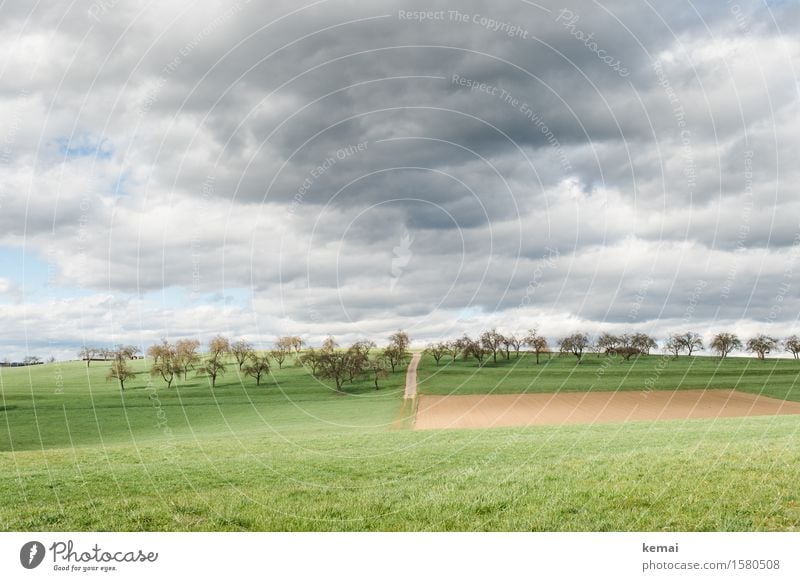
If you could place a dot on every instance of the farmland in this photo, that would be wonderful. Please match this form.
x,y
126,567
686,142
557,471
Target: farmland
x,y
77,453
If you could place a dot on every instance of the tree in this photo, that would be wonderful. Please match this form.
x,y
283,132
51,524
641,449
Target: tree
x,y
241,351
257,367
335,365
218,347
125,352
87,354
475,349
792,345
167,369
364,346
31,360
456,347
357,358
329,344
279,355
643,343
120,371
606,343
536,342
400,340
212,367
761,345
399,343
725,343
575,344
674,345
297,344
187,355
627,351
394,355
165,361
437,351
311,358
377,368
491,341
514,341
160,351
690,342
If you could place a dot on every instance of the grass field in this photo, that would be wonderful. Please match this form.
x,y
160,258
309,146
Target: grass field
x,y
78,454
778,378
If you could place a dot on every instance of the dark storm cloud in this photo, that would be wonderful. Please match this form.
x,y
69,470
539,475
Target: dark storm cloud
x,y
351,161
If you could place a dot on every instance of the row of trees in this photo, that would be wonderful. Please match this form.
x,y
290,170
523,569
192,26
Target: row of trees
x,y
170,361
90,354
488,344
346,365
627,345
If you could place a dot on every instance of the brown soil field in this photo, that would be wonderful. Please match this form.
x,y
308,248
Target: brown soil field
x,y
487,411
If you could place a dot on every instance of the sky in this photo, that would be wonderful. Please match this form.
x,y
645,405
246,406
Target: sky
x,y
179,169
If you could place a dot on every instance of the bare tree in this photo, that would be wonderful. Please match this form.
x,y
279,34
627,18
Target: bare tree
x,y
120,371
536,342
516,342
358,359
725,343
165,362
400,342
643,343
126,352
297,344
335,365
575,344
491,341
257,366
160,351
437,351
674,345
606,343
792,345
187,355
285,346
279,355
212,367
364,346
311,358
761,345
475,349
329,344
400,339
87,354
394,355
377,368
457,347
241,351
218,347
691,342
627,351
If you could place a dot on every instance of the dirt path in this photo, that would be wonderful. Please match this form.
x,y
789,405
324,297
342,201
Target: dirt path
x,y
411,377
485,411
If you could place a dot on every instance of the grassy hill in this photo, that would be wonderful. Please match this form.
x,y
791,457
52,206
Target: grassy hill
x,y
778,378
78,454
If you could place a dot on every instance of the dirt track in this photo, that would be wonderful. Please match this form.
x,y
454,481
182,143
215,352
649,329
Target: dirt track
x,y
485,411
411,377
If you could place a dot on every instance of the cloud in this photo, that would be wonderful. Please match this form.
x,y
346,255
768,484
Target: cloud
x,y
283,152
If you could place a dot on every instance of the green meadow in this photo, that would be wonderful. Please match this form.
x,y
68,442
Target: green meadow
x,y
76,453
